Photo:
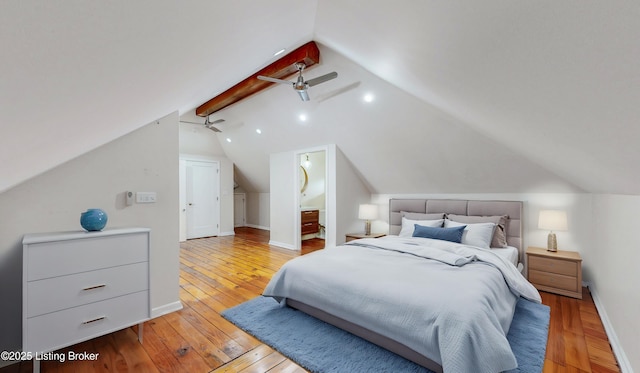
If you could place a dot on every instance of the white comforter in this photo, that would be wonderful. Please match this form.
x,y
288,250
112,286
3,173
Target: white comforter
x,y
452,303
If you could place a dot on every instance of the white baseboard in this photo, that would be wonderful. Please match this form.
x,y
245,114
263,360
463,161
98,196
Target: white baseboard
x,y
623,361
258,227
165,309
283,245
155,312
231,233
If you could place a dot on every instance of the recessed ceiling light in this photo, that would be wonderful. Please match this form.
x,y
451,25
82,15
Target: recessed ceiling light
x,y
368,97
258,130
279,52
302,117
228,139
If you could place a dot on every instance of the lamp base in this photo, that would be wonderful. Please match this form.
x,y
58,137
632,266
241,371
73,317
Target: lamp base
x,y
367,227
552,243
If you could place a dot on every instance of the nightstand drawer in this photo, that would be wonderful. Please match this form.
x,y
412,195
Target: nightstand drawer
x,y
553,280
552,265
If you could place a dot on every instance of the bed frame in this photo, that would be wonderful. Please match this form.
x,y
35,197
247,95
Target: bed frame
x,y
513,209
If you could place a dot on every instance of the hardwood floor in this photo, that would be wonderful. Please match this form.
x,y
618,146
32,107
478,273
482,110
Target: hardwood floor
x,y
221,272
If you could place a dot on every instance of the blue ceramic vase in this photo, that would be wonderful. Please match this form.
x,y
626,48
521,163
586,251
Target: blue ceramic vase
x,y
93,220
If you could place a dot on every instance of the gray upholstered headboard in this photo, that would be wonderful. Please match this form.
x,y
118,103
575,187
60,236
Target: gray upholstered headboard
x,y
513,209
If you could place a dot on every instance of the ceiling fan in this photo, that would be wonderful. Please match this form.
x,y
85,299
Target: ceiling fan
x,y
301,85
208,124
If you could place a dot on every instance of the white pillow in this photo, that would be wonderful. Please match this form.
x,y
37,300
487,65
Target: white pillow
x,y
476,234
408,225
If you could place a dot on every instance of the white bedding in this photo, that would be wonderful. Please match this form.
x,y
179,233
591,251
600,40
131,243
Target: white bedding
x,y
510,253
456,315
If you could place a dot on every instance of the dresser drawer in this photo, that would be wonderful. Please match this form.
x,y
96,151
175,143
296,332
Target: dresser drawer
x,y
554,280
83,255
57,293
67,327
562,267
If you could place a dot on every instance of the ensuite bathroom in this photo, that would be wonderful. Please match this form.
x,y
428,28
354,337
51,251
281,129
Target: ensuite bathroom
x,y
312,194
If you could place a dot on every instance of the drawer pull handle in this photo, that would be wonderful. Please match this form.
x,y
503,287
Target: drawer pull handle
x,y
94,287
94,320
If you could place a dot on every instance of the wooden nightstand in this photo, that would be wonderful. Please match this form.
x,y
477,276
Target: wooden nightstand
x,y
557,272
355,236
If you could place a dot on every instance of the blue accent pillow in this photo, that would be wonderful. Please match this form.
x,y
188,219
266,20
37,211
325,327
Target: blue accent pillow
x,y
447,234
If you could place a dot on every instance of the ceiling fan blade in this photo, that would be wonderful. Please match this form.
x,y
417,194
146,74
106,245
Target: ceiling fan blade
x,y
274,80
210,126
322,79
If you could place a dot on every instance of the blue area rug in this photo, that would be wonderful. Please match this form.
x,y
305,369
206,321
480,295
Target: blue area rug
x,y
320,347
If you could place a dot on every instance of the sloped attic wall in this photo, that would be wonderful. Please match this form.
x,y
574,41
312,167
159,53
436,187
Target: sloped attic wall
x,y
556,82
397,143
86,73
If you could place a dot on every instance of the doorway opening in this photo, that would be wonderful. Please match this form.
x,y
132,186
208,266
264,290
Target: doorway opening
x,y
312,174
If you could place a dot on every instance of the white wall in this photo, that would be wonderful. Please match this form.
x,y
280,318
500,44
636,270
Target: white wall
x,y
144,160
351,192
615,279
258,210
284,188
196,139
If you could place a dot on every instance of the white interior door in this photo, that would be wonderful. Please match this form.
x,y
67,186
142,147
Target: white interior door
x,y
202,198
239,210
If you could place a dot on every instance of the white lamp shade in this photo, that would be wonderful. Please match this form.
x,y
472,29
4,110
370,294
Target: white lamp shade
x,y
368,212
552,220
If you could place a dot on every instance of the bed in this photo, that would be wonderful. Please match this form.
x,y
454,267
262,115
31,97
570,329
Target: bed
x,y
444,305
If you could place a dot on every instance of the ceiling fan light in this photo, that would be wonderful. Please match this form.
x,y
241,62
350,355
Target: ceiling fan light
x,y
303,94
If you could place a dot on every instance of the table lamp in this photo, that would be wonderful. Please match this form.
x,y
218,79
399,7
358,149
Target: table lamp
x,y
552,220
367,213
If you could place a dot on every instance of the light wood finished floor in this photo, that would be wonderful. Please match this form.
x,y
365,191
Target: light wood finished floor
x,y
218,273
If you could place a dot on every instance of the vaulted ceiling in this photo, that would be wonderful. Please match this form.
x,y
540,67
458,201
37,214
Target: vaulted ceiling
x,y
491,96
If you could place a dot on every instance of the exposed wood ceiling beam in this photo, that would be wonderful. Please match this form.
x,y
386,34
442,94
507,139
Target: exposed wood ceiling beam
x,y
281,69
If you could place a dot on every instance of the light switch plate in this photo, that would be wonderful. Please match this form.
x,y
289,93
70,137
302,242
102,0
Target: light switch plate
x,y
146,197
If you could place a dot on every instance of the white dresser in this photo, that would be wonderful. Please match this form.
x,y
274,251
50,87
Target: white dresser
x,y
81,285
